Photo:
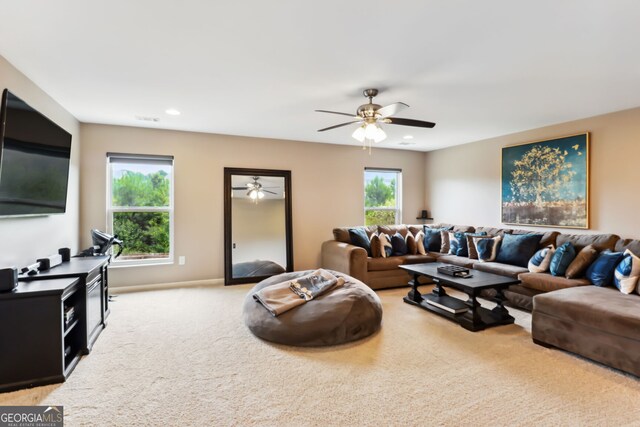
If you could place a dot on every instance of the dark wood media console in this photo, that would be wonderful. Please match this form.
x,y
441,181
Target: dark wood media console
x,y
50,320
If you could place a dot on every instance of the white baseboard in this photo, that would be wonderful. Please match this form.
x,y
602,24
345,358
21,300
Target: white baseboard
x,y
159,286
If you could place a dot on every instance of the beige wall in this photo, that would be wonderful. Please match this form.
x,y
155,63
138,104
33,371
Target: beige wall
x,y
463,182
28,238
327,191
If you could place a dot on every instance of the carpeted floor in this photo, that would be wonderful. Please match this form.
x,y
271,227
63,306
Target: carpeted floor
x,y
183,357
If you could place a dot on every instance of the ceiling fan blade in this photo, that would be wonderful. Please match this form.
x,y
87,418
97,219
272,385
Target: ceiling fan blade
x,y
409,122
337,126
391,109
336,112
238,188
267,191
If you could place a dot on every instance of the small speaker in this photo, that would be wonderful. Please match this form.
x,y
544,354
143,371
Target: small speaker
x,y
424,214
65,253
49,262
8,279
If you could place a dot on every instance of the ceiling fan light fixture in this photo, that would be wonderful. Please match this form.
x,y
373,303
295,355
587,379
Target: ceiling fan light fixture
x,y
359,133
380,135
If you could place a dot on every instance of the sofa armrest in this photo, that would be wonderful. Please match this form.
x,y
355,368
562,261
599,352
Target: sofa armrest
x,y
345,258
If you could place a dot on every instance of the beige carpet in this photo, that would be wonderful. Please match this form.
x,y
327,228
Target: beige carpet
x,y
183,357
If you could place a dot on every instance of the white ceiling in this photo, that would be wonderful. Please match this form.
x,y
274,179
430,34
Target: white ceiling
x,y
478,69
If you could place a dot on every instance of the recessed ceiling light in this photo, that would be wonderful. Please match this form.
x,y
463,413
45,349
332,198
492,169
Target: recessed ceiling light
x,y
406,143
172,112
407,137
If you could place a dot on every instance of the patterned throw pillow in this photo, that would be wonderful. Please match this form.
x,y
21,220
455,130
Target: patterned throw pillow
x,y
458,243
564,255
583,260
399,245
487,248
540,261
627,273
601,272
517,249
420,249
385,245
412,248
471,245
374,242
359,238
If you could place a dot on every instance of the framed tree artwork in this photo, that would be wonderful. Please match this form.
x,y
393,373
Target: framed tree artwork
x,y
546,183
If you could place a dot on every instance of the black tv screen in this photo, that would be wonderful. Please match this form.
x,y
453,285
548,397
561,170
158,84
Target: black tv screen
x,y
34,161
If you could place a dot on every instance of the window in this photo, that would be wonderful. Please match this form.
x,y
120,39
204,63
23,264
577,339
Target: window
x,y
382,201
140,206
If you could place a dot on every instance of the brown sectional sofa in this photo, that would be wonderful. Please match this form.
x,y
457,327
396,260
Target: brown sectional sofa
x,y
598,323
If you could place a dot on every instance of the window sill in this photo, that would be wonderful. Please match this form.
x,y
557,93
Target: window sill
x,y
127,264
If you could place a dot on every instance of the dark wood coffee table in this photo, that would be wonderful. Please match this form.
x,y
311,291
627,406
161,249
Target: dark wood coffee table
x,y
469,314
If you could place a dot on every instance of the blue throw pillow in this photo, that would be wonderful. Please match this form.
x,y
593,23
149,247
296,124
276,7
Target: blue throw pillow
x,y
399,245
359,238
432,240
564,255
600,273
517,249
458,242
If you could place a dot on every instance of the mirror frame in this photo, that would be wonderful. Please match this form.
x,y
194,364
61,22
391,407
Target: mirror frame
x,y
228,261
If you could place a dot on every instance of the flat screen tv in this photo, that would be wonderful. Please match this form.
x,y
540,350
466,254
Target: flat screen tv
x,y
34,161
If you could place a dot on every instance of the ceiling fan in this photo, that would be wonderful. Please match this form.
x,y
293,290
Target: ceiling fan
x,y
255,190
371,115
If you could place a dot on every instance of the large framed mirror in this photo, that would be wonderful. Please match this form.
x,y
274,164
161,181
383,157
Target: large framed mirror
x,y
257,224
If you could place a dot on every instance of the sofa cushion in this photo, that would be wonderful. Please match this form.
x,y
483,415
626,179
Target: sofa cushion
x,y
561,259
545,282
444,238
518,249
631,244
341,234
501,269
458,243
399,245
360,238
599,241
599,308
471,242
462,261
601,271
627,272
382,264
583,260
453,227
487,248
493,231
548,238
393,229
541,260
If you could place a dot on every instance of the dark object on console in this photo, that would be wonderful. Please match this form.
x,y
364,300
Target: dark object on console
x,y
49,262
257,268
454,270
8,279
65,253
102,242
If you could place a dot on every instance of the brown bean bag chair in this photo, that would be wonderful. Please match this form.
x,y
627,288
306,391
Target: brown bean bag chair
x,y
348,313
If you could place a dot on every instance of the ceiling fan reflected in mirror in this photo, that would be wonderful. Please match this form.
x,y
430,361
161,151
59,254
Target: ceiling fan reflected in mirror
x,y
255,190
370,116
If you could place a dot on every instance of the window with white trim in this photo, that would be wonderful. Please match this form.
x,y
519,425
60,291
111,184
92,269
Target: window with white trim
x,y
140,206
382,196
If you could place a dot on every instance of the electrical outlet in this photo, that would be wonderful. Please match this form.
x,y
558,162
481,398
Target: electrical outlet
x,y
182,260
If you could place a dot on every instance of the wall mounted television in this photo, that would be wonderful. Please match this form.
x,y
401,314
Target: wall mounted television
x,y
34,161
